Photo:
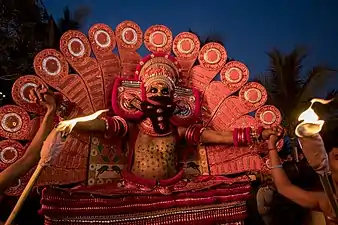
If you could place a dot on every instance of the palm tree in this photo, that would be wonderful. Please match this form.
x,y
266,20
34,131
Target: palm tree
x,y
74,20
289,89
22,32
69,21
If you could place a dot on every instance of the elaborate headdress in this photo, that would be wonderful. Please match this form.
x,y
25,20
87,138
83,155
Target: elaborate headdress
x,y
111,79
158,67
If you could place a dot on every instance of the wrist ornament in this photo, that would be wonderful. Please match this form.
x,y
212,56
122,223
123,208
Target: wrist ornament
x,y
246,136
272,149
193,134
115,126
268,164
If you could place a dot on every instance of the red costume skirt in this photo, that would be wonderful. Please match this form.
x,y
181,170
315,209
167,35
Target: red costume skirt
x,y
205,200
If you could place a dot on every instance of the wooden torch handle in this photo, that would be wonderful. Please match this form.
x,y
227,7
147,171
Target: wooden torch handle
x,y
24,195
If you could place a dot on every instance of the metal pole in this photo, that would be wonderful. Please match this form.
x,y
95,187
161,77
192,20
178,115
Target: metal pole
x,y
324,179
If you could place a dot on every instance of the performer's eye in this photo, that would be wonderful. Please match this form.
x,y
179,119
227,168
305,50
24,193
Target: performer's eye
x,y
153,90
165,91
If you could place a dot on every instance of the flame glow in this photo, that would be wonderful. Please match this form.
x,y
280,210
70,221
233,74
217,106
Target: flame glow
x,y
68,125
311,123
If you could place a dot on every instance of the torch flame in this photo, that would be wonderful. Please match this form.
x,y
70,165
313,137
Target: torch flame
x,y
311,124
68,125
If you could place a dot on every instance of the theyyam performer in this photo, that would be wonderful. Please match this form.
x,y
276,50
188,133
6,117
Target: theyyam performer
x,y
171,134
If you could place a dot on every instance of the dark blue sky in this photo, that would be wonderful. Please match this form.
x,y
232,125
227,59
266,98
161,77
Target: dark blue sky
x,y
249,28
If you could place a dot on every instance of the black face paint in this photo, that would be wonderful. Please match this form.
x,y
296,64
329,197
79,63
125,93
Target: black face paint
x,y
159,110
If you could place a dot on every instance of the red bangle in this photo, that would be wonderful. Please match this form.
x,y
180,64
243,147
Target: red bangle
x,y
244,137
235,137
248,135
193,134
122,126
115,126
241,137
244,143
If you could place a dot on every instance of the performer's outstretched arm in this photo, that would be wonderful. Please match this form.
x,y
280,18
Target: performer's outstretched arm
x,y
242,136
111,126
32,154
215,137
96,125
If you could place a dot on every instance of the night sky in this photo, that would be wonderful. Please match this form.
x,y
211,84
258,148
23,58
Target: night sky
x,y
249,28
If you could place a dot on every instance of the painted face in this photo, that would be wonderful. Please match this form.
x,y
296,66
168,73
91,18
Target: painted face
x,y
333,159
158,89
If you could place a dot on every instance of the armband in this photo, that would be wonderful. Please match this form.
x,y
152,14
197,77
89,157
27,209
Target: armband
x,y
115,126
246,136
193,134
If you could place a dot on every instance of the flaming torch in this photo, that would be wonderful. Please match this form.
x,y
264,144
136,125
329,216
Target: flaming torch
x,y
50,150
67,126
314,150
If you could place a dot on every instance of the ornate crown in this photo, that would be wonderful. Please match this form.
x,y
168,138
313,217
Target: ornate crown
x,y
158,67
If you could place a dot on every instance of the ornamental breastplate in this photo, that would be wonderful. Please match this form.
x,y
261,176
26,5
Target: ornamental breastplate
x,y
154,157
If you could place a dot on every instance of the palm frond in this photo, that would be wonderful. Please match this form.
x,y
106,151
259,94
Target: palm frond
x,y
218,38
280,79
332,94
81,14
288,87
74,20
293,67
317,77
265,80
198,36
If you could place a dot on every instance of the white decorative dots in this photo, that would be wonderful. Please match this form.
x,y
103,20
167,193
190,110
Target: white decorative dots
x,y
102,38
129,36
76,47
9,150
51,65
12,119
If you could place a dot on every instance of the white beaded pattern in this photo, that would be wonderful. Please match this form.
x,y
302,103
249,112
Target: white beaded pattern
x,y
228,77
17,126
26,85
108,40
206,58
44,65
259,95
8,161
124,38
13,188
268,122
82,48
192,46
165,39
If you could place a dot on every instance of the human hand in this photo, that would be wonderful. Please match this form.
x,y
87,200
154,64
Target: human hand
x,y
273,139
66,126
277,131
41,95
